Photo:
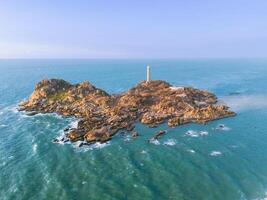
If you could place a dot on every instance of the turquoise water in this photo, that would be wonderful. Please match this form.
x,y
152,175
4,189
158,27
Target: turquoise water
x,y
225,164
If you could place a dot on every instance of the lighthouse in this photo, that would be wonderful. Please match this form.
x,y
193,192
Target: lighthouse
x,y
148,74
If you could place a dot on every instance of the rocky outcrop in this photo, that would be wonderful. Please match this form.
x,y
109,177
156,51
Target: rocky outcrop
x,y
102,115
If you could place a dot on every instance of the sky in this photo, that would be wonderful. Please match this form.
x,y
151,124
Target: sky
x,y
133,29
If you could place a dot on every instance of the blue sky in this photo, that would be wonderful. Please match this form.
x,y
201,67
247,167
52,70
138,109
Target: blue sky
x,y
133,29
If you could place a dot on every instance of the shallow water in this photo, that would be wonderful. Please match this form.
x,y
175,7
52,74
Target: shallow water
x,y
227,163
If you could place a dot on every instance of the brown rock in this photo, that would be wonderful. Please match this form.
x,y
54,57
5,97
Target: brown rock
x,y
99,135
102,115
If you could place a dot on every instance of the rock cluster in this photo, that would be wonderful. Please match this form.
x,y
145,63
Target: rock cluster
x,y
102,115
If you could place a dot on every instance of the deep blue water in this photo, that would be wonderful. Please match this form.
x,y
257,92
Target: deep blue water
x,y
226,164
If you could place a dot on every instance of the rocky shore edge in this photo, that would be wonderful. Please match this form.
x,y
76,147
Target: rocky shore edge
x,y
102,115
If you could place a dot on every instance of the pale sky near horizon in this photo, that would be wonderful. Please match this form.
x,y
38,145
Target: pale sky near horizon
x,y
133,29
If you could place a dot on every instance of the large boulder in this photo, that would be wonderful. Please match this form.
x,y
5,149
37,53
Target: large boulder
x,y
98,135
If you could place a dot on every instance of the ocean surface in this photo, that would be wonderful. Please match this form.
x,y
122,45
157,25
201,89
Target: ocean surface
x,y
227,164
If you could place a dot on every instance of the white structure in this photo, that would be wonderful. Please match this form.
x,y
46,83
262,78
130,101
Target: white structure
x,y
147,73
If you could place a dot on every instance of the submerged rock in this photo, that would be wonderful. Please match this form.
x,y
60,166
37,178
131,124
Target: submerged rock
x,y
102,115
157,135
134,134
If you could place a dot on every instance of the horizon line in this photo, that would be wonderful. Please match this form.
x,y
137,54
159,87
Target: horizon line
x,y
137,58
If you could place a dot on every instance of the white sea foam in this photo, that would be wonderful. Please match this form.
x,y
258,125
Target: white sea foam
x,y
56,115
222,127
3,125
3,164
191,151
240,103
13,109
77,144
34,148
99,145
170,142
127,138
62,138
74,124
47,178
143,152
192,133
156,142
226,128
203,133
215,153
85,148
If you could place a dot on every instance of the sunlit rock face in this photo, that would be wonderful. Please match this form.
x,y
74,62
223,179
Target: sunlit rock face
x,y
102,115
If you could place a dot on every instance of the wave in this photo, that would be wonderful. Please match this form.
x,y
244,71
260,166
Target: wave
x,y
221,127
85,148
84,182
143,152
216,153
3,164
192,133
191,151
13,108
74,124
242,103
127,138
170,142
61,139
34,148
155,142
203,133
99,145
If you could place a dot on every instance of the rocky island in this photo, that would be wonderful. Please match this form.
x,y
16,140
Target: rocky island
x,y
102,115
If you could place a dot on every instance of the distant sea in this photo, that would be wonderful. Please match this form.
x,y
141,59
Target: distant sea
x,y
226,164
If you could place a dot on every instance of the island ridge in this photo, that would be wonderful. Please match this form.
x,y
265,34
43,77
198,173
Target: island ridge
x,y
102,115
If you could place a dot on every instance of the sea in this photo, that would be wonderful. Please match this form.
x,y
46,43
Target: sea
x,y
225,159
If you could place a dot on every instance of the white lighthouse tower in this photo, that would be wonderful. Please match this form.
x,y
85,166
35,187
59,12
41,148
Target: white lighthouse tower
x,y
148,74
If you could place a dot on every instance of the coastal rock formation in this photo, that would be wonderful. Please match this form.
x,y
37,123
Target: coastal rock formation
x,y
102,115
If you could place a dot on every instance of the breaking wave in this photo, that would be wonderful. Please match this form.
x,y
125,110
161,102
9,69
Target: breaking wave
x,y
221,127
155,142
191,151
170,142
85,148
216,153
34,148
192,133
74,124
